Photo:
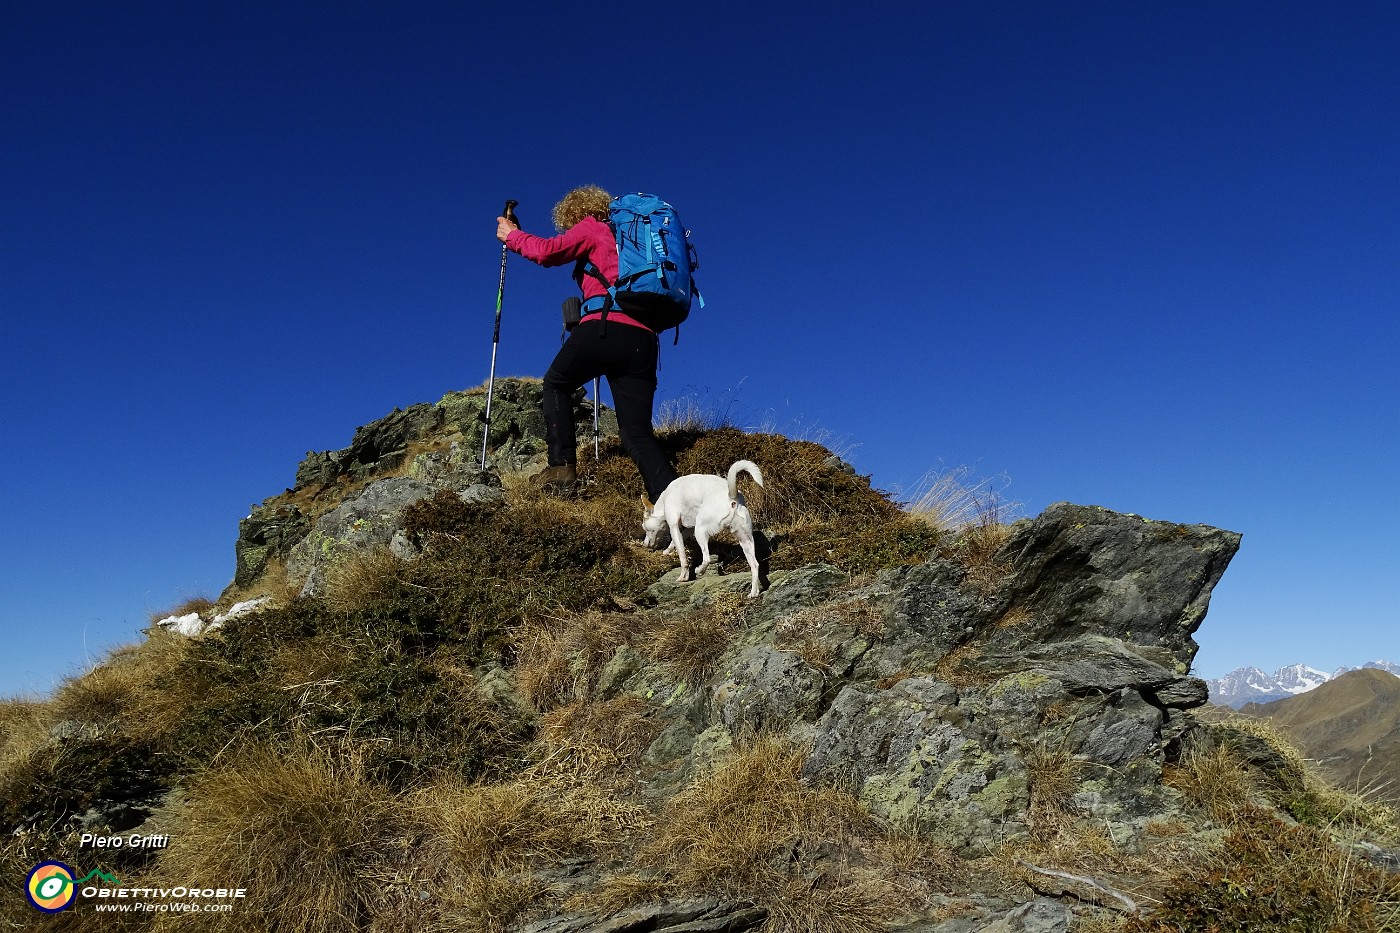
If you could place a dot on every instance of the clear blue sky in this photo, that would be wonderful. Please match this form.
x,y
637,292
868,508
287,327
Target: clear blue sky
x,y
1139,255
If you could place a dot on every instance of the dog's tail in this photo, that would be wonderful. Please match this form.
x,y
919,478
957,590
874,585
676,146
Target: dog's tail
x,y
743,466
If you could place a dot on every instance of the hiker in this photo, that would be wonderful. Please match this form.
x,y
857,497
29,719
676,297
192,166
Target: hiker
x,y
622,348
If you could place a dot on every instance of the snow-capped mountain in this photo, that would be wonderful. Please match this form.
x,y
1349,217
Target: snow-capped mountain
x,y
1251,685
1387,666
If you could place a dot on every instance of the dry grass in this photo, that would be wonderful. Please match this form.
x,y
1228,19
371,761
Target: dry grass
x,y
1101,921
688,645
977,513
541,818
1220,779
1054,776
958,668
1015,617
751,830
1215,780
599,741
489,841
274,583
1268,877
621,892
977,548
950,503
200,605
800,486
558,658
610,495
129,692
298,828
24,728
358,578
1321,801
693,412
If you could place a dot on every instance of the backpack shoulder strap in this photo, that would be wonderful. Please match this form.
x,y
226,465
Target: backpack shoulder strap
x,y
585,267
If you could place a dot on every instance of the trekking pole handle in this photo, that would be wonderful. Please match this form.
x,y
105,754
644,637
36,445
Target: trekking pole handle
x,y
509,212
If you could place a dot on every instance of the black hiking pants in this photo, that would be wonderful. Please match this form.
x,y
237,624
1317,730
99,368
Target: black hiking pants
x,y
627,356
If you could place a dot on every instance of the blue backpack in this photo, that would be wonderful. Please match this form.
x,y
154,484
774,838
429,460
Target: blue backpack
x,y
655,260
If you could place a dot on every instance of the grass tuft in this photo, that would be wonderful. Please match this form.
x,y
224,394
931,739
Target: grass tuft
x,y
949,502
1273,878
750,829
688,645
298,828
488,842
1053,774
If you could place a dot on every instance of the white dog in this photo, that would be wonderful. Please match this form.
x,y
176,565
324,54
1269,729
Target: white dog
x,y
708,504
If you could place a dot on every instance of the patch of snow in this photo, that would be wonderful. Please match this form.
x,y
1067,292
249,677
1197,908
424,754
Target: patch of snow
x,y
239,609
188,625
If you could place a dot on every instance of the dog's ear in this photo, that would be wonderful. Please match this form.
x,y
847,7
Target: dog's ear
x,y
647,504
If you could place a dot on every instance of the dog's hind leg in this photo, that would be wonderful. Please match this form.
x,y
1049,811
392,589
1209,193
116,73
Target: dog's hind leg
x,y
702,538
750,553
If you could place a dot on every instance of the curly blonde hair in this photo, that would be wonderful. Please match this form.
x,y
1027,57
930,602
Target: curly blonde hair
x,y
584,201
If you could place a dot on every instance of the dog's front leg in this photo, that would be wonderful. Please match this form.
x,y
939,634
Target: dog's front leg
x,y
679,542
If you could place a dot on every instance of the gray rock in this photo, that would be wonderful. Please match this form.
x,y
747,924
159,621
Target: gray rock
x,y
836,463
268,533
1089,663
1082,570
362,522
932,613
1385,859
766,689
693,915
446,437
797,589
670,592
914,757
517,431
377,447
1038,916
1183,693
1126,729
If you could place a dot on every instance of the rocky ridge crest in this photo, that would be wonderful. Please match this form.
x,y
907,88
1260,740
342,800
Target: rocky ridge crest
x,y
935,687
985,691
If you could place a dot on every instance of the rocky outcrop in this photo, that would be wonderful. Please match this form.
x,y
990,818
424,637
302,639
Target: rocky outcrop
x,y
935,693
348,499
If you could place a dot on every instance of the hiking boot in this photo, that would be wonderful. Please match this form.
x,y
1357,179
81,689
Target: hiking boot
x,y
557,479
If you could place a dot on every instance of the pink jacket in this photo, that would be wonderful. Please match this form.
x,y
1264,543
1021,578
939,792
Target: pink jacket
x,y
589,239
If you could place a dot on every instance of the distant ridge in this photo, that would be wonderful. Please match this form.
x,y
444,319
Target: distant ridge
x,y
1251,685
1350,725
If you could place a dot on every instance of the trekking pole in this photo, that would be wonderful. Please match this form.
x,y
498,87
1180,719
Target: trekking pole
x,y
508,214
595,419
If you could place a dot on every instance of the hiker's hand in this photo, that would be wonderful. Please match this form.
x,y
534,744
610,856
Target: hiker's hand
x,y
503,228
